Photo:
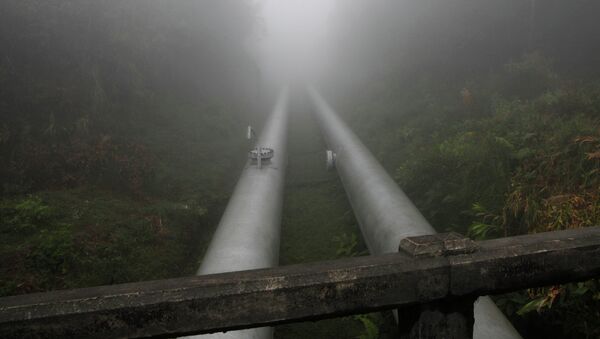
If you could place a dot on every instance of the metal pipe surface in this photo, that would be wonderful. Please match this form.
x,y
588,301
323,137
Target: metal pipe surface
x,y
385,214
248,234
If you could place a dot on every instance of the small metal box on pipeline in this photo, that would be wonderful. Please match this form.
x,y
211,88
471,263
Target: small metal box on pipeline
x,y
265,154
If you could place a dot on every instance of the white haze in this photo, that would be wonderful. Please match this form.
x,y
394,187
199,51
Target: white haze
x,y
294,46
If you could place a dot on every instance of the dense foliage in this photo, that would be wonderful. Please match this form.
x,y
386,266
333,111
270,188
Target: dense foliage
x,y
115,135
488,116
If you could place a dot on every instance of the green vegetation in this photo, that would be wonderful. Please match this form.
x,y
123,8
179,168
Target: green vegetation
x,y
371,328
117,153
88,237
487,114
484,159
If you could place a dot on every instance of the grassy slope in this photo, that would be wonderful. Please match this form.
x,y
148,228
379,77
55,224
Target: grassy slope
x,y
102,233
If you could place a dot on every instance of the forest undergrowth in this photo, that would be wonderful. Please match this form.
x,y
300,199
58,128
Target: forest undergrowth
x,y
513,152
117,153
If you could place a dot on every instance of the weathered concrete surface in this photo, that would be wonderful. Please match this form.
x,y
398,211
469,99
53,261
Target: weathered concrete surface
x,y
235,300
445,319
442,244
451,318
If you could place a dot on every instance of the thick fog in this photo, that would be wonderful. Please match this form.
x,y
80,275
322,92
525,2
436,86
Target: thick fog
x,y
357,40
124,132
296,42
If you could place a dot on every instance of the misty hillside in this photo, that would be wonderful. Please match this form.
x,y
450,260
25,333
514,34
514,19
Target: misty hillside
x,y
122,133
116,117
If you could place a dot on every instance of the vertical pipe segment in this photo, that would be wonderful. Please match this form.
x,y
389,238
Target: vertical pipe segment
x,y
248,234
385,214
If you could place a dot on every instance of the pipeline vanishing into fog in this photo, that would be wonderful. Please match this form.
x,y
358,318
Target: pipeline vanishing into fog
x,y
248,234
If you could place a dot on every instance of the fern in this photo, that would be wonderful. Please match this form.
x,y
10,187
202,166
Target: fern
x,y
371,331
